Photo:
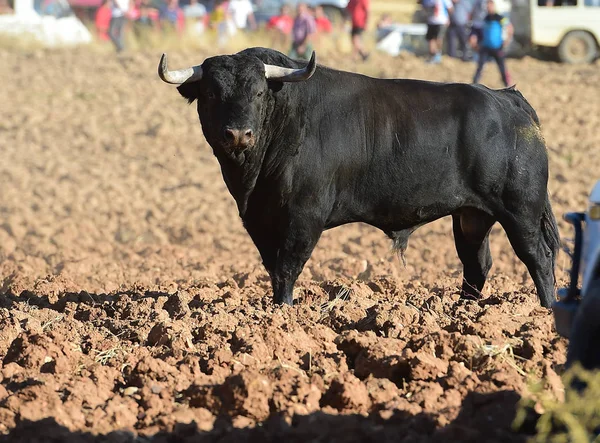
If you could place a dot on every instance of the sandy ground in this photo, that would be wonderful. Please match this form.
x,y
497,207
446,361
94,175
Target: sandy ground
x,y
134,306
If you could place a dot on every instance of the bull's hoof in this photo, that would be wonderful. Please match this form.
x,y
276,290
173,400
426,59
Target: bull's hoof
x,y
285,302
466,296
471,294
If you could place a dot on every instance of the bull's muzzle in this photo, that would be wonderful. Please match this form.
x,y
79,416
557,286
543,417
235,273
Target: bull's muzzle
x,y
243,138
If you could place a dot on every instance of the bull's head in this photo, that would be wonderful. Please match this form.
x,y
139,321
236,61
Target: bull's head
x,y
233,93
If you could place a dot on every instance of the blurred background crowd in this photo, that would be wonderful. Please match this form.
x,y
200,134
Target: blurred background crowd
x,y
295,27
468,30
290,24
455,25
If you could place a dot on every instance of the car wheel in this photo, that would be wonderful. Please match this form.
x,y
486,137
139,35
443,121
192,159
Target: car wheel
x,y
577,47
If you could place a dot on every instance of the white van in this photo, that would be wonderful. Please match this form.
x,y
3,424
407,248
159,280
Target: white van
x,y
572,27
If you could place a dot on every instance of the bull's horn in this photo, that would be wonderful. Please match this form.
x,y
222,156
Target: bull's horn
x,y
292,75
180,76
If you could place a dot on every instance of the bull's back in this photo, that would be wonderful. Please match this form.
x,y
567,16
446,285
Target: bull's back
x,y
404,152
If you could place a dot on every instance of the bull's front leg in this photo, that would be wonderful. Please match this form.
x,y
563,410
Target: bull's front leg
x,y
295,249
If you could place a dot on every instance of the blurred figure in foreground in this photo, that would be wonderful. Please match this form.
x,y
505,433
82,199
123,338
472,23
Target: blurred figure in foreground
x,y
359,14
118,20
493,43
280,26
438,13
303,33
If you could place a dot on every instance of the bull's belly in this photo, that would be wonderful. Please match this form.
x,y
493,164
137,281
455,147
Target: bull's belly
x,y
397,216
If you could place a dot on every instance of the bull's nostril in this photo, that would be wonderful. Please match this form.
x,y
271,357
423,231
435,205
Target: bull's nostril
x,y
229,134
237,136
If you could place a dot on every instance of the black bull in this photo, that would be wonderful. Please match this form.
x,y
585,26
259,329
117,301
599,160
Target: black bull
x,y
311,148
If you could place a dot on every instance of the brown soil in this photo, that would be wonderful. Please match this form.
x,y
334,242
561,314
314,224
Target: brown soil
x,y
135,306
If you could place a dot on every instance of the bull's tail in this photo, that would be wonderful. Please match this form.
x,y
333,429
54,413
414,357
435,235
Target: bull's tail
x,y
550,232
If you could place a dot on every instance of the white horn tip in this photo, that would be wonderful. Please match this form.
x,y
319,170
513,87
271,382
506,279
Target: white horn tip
x,y
162,67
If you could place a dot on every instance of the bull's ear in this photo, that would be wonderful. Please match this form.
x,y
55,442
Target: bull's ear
x,y
189,91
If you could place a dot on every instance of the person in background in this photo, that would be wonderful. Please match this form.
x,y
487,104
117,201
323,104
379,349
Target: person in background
x,y
148,16
477,17
195,13
359,14
118,20
242,14
172,15
457,30
303,32
323,23
221,19
145,19
281,26
493,43
5,7
102,20
194,10
384,26
437,19
134,12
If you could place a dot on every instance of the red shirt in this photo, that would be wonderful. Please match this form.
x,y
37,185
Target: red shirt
x,y
103,15
283,23
358,10
323,24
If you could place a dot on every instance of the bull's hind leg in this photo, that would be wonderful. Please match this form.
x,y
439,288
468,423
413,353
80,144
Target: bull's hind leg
x,y
526,237
471,236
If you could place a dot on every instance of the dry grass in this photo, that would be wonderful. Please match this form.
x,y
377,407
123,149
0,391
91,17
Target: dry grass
x,y
105,356
503,353
21,43
282,365
400,11
51,322
208,42
342,296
